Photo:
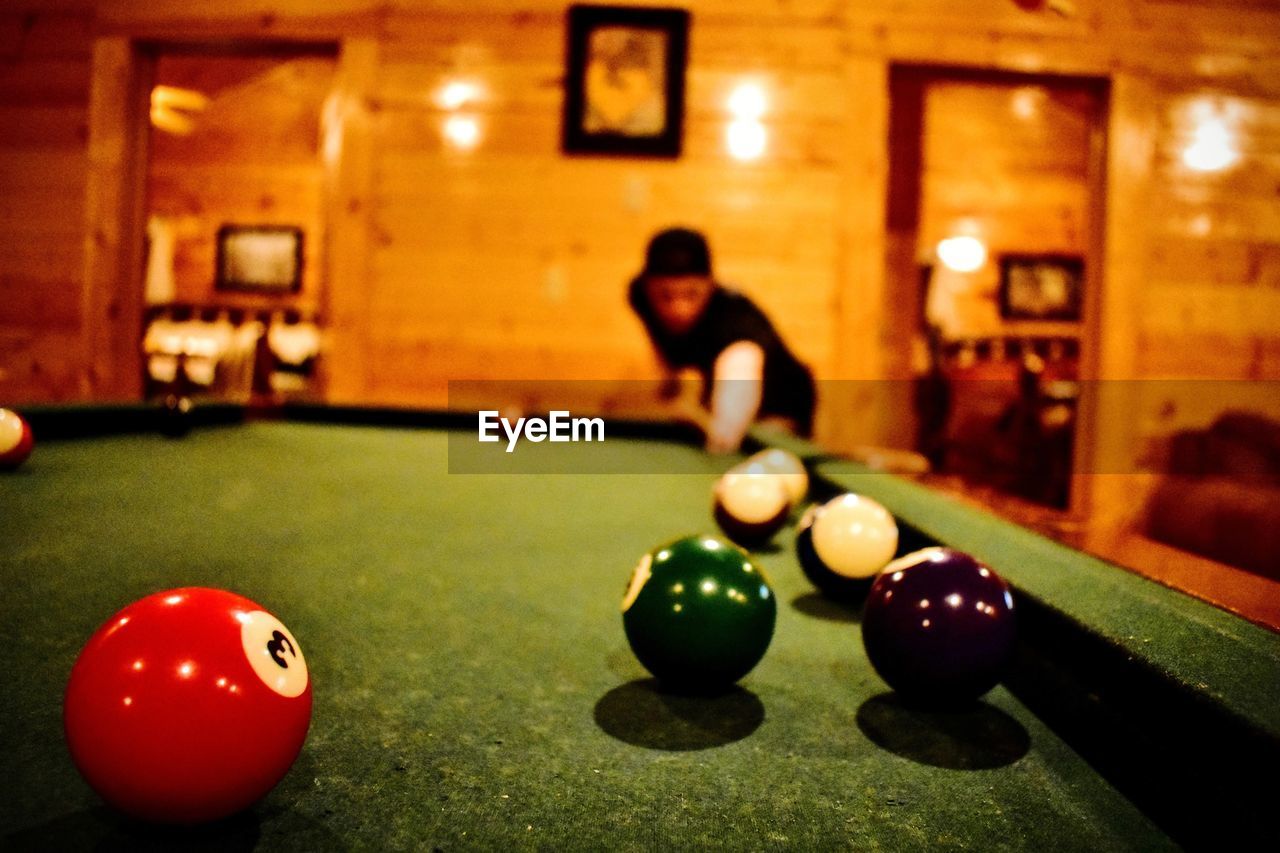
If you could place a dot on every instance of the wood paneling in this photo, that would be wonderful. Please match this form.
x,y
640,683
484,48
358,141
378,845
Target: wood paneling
x,y
44,97
515,243
546,244
1212,253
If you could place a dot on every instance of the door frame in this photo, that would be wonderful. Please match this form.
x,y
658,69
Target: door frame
x,y
112,299
920,75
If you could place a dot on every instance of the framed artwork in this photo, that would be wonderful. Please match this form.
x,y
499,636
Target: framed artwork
x,y
624,84
1041,287
262,258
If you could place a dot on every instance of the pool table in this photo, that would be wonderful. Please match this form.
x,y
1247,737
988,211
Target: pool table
x,y
474,688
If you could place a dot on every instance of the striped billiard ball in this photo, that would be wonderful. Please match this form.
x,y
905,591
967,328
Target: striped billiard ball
x,y
750,505
698,614
788,467
842,544
16,441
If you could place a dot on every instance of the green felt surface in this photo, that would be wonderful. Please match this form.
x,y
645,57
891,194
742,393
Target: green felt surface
x,y
473,687
1230,661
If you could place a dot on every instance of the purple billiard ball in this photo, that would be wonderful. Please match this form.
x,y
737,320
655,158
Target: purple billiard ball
x,y
939,627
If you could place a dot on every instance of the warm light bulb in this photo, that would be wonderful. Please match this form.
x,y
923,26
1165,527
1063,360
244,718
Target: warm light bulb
x,y
748,101
747,139
962,254
1025,102
462,132
457,93
1212,148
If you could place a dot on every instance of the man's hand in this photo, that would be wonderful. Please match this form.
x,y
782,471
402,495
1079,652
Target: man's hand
x,y
722,444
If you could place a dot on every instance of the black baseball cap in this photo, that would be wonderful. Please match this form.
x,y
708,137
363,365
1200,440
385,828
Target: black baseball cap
x,y
677,251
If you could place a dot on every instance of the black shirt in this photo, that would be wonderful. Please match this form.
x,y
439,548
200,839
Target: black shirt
x,y
731,317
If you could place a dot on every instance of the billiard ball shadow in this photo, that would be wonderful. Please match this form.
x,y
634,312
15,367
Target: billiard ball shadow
x,y
976,736
819,606
102,829
644,713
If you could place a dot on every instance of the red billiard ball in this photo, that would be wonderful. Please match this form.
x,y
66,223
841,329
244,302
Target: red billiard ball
x,y
187,706
16,440
938,627
842,544
750,505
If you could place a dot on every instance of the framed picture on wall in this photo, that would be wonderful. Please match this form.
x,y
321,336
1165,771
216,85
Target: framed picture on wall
x,y
262,258
1041,287
624,81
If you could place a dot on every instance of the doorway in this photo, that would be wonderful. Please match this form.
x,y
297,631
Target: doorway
x,y
234,206
994,216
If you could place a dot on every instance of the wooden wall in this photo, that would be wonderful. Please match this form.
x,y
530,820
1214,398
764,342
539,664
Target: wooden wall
x,y
1211,304
44,97
511,259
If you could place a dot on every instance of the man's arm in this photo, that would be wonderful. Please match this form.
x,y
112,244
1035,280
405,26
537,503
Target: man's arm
x,y
669,384
738,386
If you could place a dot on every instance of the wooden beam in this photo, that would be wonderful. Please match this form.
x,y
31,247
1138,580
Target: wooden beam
x,y
347,149
1107,445
114,209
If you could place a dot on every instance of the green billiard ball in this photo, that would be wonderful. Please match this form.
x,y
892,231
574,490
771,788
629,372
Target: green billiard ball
x,y
698,614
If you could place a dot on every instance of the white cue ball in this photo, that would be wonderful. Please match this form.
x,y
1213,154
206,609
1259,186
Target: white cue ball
x,y
788,466
854,536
